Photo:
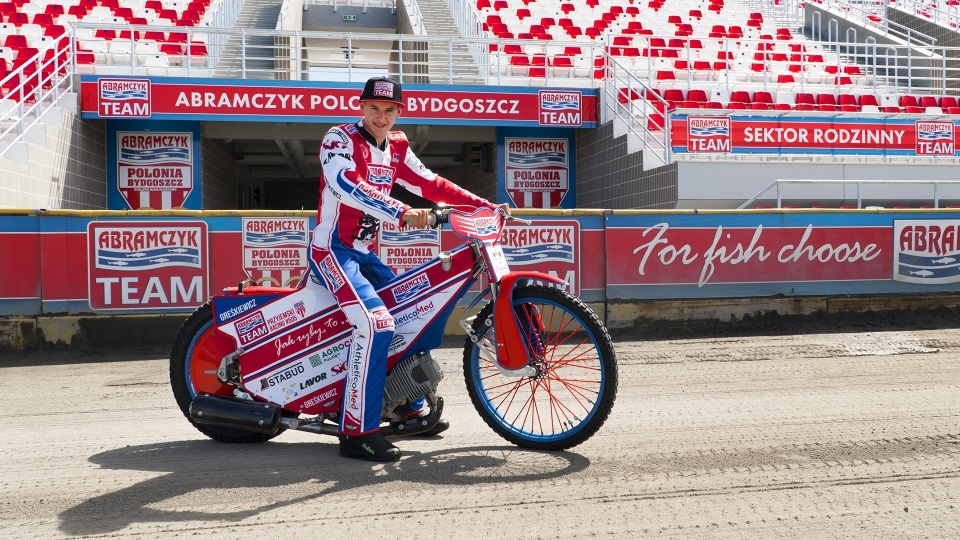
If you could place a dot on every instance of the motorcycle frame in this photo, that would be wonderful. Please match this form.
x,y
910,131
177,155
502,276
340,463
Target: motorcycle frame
x,y
294,341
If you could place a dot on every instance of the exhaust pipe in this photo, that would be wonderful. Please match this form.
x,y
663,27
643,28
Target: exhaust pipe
x,y
235,413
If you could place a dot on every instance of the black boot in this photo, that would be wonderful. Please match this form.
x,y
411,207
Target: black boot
x,y
371,447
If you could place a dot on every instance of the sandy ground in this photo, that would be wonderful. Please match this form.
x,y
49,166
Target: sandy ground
x,y
818,429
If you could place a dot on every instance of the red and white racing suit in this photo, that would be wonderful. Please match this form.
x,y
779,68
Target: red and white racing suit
x,y
354,197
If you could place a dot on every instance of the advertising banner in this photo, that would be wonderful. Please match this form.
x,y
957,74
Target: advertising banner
x,y
173,264
295,101
537,168
139,265
161,264
275,250
537,171
404,248
710,134
154,165
703,256
154,169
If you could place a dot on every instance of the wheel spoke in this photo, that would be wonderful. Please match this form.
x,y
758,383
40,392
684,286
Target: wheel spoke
x,y
571,393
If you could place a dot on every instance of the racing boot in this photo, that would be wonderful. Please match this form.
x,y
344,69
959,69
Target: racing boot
x,y
371,447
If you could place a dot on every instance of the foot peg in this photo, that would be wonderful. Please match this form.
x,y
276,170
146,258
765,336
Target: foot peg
x,y
416,425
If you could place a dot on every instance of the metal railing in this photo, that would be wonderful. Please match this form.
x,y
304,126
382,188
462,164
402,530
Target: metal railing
x,y
872,14
778,184
930,11
353,57
32,89
637,112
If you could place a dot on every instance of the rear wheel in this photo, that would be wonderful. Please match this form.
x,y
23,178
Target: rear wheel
x,y
571,395
197,352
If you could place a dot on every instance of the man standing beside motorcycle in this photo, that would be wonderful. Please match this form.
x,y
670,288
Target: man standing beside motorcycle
x,y
361,163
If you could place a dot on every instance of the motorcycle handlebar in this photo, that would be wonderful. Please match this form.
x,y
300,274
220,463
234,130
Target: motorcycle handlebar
x,y
439,215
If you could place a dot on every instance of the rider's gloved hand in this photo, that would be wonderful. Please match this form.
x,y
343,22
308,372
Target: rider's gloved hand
x,y
505,207
418,218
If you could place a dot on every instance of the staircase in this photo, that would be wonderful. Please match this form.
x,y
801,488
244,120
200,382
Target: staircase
x,y
438,22
258,56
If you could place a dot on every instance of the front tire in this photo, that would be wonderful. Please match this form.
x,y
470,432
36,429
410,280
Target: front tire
x,y
194,360
576,385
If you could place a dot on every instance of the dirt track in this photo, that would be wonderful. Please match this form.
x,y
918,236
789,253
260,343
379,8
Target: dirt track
x,y
847,428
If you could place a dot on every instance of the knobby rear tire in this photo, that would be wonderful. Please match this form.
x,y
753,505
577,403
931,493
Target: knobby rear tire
x,y
197,351
575,391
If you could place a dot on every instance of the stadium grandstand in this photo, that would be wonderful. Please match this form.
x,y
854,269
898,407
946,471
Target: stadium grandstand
x,y
701,103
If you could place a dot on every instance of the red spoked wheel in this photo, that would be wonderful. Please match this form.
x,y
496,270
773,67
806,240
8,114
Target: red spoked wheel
x,y
571,388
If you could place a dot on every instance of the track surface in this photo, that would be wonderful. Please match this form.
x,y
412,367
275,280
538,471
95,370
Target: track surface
x,y
845,429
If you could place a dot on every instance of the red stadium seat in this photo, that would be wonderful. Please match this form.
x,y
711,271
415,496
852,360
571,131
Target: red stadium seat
x,y
698,95
907,100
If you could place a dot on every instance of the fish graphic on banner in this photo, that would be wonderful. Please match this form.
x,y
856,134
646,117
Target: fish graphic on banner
x,y
926,251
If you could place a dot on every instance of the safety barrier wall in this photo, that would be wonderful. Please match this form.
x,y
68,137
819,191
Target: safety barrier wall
x,y
140,262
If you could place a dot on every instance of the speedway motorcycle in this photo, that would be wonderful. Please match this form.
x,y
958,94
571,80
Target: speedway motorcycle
x,y
540,366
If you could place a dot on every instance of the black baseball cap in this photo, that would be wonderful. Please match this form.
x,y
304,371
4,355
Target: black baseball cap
x,y
382,89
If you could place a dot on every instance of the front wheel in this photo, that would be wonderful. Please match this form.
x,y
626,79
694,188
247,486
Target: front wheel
x,y
571,395
194,360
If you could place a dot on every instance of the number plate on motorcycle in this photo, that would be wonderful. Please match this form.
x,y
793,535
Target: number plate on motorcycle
x,y
497,260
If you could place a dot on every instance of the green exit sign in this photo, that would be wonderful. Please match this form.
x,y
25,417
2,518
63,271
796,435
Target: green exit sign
x,y
350,18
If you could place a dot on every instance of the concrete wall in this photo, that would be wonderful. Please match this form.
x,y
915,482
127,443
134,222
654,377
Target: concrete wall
x,y
220,189
327,18
610,177
66,166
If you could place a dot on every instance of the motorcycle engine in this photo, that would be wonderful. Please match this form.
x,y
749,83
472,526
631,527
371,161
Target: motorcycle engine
x,y
412,378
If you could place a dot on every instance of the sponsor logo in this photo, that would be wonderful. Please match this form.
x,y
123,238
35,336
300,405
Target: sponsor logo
x,y
560,108
319,398
926,251
537,171
382,319
228,314
331,274
709,134
380,175
301,309
251,328
318,359
290,372
147,264
154,170
282,320
546,246
397,343
403,249
935,138
316,379
383,89
420,312
487,227
275,250
124,98
411,287
356,372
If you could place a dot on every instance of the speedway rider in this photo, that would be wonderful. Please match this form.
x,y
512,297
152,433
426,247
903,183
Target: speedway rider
x,y
361,162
